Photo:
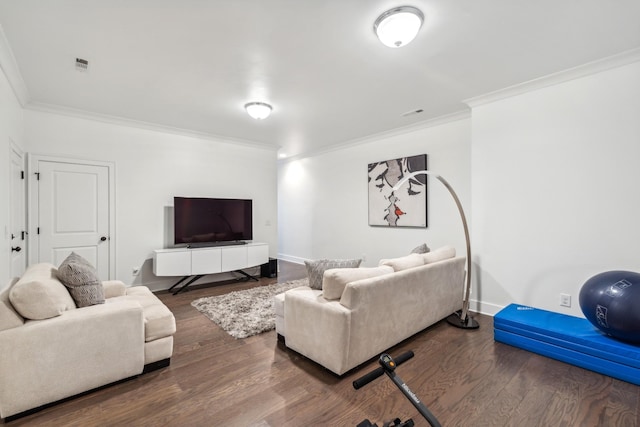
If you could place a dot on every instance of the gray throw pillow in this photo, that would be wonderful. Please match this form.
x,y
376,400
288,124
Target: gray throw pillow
x,y
422,249
81,278
316,269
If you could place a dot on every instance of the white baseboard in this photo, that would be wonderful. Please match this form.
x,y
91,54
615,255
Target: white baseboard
x,y
291,258
484,307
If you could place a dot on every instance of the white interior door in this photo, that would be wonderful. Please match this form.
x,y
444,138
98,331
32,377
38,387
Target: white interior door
x,y
17,215
74,213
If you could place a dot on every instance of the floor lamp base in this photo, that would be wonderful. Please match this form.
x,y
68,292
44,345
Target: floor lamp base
x,y
455,320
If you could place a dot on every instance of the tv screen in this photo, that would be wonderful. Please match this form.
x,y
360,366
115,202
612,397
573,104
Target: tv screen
x,y
200,221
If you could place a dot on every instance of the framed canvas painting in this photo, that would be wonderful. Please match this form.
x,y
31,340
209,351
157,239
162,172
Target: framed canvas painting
x,y
406,207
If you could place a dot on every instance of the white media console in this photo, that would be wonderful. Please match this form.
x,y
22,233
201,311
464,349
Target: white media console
x,y
199,262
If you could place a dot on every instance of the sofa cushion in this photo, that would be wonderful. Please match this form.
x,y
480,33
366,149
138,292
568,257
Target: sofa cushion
x,y
403,263
159,322
39,294
278,308
421,249
336,279
81,278
316,269
114,288
439,254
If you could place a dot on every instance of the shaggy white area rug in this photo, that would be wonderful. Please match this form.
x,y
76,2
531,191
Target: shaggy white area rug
x,y
245,313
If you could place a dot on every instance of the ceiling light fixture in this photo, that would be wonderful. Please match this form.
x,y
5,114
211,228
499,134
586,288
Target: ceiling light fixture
x,y
258,110
398,26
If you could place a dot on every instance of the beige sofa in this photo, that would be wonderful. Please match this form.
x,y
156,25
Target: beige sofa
x,y
50,350
365,317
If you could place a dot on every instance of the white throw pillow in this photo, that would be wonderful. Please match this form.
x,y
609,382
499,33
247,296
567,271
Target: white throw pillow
x,y
403,263
439,254
335,280
39,294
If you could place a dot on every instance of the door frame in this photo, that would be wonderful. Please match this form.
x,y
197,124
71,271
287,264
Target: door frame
x,y
33,206
15,149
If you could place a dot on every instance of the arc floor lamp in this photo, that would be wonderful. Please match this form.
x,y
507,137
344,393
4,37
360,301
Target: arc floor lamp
x,y
460,319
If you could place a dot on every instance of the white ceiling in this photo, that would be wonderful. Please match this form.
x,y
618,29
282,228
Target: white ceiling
x,y
193,64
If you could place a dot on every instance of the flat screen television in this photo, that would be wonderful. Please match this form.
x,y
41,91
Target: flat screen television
x,y
200,221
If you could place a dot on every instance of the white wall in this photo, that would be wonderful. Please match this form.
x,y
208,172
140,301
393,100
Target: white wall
x,y
151,168
555,177
548,179
323,202
11,130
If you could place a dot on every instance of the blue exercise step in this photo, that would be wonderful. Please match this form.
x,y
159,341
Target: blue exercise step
x,y
569,339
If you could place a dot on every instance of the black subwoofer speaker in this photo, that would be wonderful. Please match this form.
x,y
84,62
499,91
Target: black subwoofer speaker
x,y
269,269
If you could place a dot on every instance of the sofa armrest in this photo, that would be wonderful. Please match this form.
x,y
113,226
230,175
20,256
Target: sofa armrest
x,y
47,360
316,327
114,288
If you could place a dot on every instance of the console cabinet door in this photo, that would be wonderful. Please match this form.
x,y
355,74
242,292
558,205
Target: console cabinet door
x,y
257,255
172,263
234,258
206,261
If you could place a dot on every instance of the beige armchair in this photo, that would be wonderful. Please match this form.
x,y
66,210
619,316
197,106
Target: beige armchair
x,y
50,350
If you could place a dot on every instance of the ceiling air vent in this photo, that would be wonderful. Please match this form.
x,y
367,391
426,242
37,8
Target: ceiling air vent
x,y
412,112
82,65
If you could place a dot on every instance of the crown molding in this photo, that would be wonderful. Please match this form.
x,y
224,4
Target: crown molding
x,y
604,64
425,124
138,124
9,66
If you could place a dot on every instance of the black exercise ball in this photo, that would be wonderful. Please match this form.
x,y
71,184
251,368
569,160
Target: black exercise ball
x,y
611,301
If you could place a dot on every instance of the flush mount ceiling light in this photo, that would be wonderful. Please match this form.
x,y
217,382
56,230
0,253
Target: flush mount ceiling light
x,y
258,110
398,26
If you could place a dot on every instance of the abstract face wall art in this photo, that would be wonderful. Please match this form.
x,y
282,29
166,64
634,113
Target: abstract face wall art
x,y
406,207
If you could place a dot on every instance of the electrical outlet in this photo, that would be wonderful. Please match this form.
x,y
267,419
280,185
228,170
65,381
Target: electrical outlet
x,y
565,300
136,271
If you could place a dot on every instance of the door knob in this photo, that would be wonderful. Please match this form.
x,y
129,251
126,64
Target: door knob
x,y
16,249
103,239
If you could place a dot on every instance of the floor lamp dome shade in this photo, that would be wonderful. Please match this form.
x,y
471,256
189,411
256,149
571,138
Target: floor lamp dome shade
x,y
258,110
460,319
397,27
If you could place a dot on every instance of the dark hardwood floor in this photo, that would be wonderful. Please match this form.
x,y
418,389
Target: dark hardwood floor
x,y
464,378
